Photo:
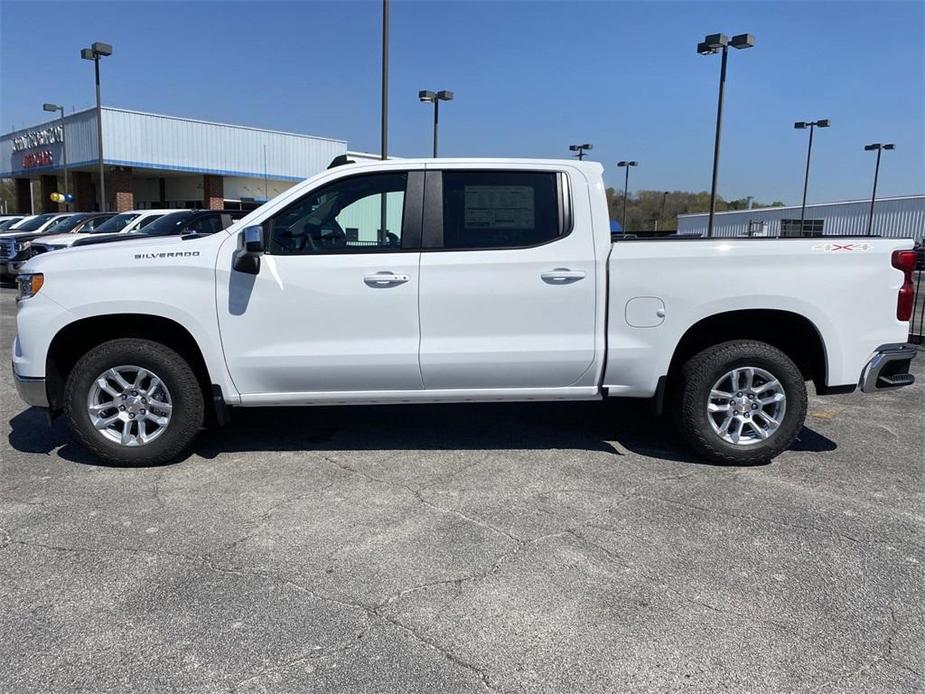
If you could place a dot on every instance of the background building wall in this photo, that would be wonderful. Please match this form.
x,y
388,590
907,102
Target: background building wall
x,y
901,217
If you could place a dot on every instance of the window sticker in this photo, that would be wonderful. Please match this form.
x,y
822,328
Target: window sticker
x,y
499,207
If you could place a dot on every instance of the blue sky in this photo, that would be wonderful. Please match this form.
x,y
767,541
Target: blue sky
x,y
530,78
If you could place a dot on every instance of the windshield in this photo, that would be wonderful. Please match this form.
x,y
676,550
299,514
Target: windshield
x,y
115,224
7,223
63,226
34,224
167,225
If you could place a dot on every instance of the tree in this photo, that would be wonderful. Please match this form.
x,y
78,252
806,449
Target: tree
x,y
646,207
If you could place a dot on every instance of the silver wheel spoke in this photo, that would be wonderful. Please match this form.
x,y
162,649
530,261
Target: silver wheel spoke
x,y
161,421
159,405
720,394
142,431
102,423
736,432
770,385
126,433
118,378
139,377
103,385
718,407
724,427
770,399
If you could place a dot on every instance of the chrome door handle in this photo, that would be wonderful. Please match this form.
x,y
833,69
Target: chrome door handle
x,y
384,279
562,275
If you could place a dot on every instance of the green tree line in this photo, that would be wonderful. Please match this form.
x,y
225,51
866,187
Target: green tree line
x,y
646,207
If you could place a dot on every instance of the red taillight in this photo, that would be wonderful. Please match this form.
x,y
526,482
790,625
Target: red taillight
x,y
905,261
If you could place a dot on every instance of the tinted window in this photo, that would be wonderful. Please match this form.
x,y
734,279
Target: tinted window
x,y
115,224
169,224
93,224
503,209
7,223
147,220
207,224
34,224
361,214
63,226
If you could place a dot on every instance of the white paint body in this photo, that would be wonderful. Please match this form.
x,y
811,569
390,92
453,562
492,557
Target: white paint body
x,y
465,325
56,241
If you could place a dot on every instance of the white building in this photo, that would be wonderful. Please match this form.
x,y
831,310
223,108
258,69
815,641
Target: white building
x,y
899,217
153,160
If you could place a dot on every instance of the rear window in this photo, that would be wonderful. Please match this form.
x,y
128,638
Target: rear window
x,y
499,209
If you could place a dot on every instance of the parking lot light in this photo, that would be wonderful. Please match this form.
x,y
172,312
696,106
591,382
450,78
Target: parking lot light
x,y
626,182
714,43
580,149
427,96
97,50
811,125
51,108
878,147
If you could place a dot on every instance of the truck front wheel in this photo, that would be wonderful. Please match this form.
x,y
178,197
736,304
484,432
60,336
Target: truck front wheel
x,y
741,402
134,402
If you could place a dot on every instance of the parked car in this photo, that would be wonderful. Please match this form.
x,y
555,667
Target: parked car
x,y
6,221
175,223
122,223
16,242
461,280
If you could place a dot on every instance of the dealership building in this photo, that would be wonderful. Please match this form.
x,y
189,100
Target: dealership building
x,y
157,161
894,217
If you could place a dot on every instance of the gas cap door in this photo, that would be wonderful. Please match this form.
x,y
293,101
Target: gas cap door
x,y
645,312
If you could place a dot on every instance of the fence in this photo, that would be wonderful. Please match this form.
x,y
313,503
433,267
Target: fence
x,y
917,324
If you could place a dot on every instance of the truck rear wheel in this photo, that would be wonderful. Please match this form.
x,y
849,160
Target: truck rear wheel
x,y
134,402
741,402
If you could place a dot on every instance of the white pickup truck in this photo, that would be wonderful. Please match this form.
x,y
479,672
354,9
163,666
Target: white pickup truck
x,y
455,280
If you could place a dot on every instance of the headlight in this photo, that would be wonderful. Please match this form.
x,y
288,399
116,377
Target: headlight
x,y
29,284
22,245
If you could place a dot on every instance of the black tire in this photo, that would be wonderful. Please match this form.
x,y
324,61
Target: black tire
x,y
703,370
186,394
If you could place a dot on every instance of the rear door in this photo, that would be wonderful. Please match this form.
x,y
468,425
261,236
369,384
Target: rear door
x,y
507,281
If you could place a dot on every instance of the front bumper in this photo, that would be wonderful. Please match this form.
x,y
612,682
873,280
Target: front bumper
x,y
31,390
889,368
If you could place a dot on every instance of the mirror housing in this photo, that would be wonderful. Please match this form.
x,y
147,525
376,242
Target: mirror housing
x,y
247,258
253,240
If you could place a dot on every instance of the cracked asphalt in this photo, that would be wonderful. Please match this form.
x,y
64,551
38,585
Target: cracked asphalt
x,y
498,548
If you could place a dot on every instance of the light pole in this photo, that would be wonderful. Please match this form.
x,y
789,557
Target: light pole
x,y
384,124
661,211
96,51
626,183
51,108
427,96
581,149
879,149
802,125
710,45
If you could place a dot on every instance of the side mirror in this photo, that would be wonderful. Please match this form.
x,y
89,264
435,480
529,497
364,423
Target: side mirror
x,y
253,240
247,259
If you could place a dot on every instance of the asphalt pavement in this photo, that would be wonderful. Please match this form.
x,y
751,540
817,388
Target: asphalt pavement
x,y
466,548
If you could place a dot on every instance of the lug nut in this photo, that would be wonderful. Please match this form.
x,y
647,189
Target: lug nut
x,y
142,412
754,406
131,415
122,408
747,415
124,396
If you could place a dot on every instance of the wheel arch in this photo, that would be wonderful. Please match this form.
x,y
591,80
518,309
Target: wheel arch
x,y
794,334
75,339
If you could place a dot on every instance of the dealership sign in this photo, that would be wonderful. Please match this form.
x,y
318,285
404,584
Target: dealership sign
x,y
33,159
38,138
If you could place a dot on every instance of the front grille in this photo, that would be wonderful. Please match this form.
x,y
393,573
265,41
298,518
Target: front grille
x,y
7,248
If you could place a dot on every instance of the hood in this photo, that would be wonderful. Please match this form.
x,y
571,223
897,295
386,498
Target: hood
x,y
59,239
20,236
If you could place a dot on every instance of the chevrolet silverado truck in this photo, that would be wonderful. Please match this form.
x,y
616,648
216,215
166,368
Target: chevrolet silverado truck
x,y
455,280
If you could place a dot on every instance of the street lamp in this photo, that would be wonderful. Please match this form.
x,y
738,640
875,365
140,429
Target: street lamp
x,y
96,51
879,148
427,96
710,45
661,211
802,125
581,149
626,183
52,108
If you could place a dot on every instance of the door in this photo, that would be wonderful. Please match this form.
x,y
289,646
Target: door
x,y
334,305
507,282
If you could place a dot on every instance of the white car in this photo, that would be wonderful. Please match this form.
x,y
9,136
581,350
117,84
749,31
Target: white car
x,y
456,280
122,223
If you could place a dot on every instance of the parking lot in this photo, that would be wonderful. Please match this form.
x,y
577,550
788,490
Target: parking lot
x,y
501,548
